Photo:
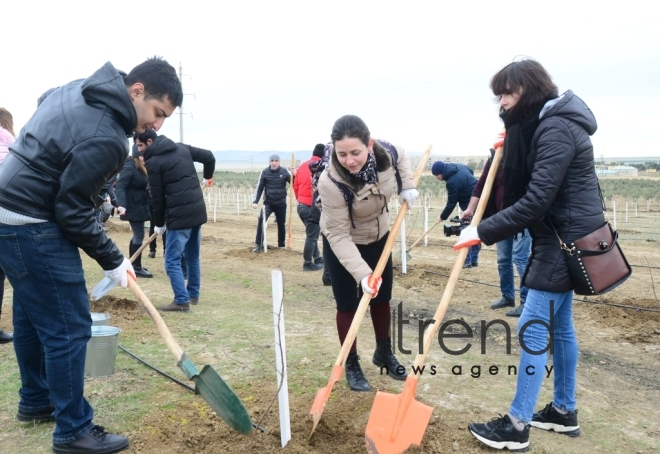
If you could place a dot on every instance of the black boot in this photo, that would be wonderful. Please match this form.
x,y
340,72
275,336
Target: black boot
x,y
354,375
5,337
383,357
137,263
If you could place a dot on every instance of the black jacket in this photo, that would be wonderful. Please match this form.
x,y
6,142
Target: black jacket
x,y
460,183
75,142
132,193
563,190
273,184
176,196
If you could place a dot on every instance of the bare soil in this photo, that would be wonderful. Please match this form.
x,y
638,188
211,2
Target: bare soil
x,y
231,329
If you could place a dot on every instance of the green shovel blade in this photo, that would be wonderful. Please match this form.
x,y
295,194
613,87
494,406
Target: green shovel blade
x,y
222,399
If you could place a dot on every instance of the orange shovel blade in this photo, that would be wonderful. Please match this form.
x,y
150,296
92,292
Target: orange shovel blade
x,y
396,422
322,396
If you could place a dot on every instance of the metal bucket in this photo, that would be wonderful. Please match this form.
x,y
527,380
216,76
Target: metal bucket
x,y
100,319
102,351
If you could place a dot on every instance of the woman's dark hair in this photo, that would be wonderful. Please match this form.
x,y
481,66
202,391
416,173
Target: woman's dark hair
x,y
531,77
350,126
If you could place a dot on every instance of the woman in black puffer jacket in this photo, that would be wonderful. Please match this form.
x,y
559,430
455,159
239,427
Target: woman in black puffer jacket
x,y
549,180
133,204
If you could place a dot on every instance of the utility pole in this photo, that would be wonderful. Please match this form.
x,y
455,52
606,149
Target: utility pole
x,y
181,112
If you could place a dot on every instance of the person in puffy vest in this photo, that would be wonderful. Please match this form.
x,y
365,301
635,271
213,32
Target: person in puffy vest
x,y
178,208
272,184
354,240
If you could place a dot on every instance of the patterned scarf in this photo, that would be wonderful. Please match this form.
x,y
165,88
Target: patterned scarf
x,y
368,173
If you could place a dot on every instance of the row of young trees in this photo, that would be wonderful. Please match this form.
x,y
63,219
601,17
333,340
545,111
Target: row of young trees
x,y
633,188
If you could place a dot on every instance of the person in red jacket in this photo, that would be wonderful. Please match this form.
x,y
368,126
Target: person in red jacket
x,y
308,212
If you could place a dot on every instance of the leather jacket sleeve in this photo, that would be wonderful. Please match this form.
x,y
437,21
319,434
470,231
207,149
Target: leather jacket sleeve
x,y
91,164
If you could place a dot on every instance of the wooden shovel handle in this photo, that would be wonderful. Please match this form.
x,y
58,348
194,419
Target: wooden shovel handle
x,y
163,330
431,332
424,234
380,267
291,202
142,248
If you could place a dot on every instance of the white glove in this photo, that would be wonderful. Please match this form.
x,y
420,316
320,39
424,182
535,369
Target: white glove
x,y
121,211
160,230
207,183
409,195
469,237
120,274
366,288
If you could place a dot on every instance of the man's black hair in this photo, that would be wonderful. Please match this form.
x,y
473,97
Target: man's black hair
x,y
159,79
146,135
318,150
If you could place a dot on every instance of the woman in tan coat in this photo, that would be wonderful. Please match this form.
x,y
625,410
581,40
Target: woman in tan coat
x,y
354,190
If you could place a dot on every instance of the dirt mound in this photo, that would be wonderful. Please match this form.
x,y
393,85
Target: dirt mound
x,y
193,427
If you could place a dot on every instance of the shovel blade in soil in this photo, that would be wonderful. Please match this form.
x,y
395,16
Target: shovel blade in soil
x,y
396,421
322,396
222,399
101,289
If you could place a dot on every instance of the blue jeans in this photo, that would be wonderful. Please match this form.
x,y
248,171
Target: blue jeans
x,y
509,252
188,242
52,323
532,368
473,255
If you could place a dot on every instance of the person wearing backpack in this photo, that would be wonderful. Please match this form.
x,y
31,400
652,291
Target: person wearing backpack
x,y
354,189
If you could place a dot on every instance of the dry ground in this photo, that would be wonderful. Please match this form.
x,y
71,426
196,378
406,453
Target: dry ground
x,y
231,329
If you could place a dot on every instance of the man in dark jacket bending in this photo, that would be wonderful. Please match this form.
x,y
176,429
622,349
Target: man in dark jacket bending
x,y
460,182
49,182
178,207
272,182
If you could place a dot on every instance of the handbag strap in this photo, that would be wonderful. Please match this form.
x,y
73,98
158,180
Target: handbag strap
x,y
569,249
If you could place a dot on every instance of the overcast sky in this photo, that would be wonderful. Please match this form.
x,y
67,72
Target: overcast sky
x,y
275,75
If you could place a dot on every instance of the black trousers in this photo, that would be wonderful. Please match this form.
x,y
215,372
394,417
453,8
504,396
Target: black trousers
x,y
280,216
308,215
346,291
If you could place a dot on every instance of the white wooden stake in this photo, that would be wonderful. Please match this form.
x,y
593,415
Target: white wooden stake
x,y
614,210
626,212
426,224
215,206
264,224
404,262
280,355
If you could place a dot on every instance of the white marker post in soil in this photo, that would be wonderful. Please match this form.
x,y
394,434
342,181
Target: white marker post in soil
x,y
426,224
280,355
264,225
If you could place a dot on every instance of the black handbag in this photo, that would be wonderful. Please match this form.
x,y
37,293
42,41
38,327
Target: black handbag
x,y
596,262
